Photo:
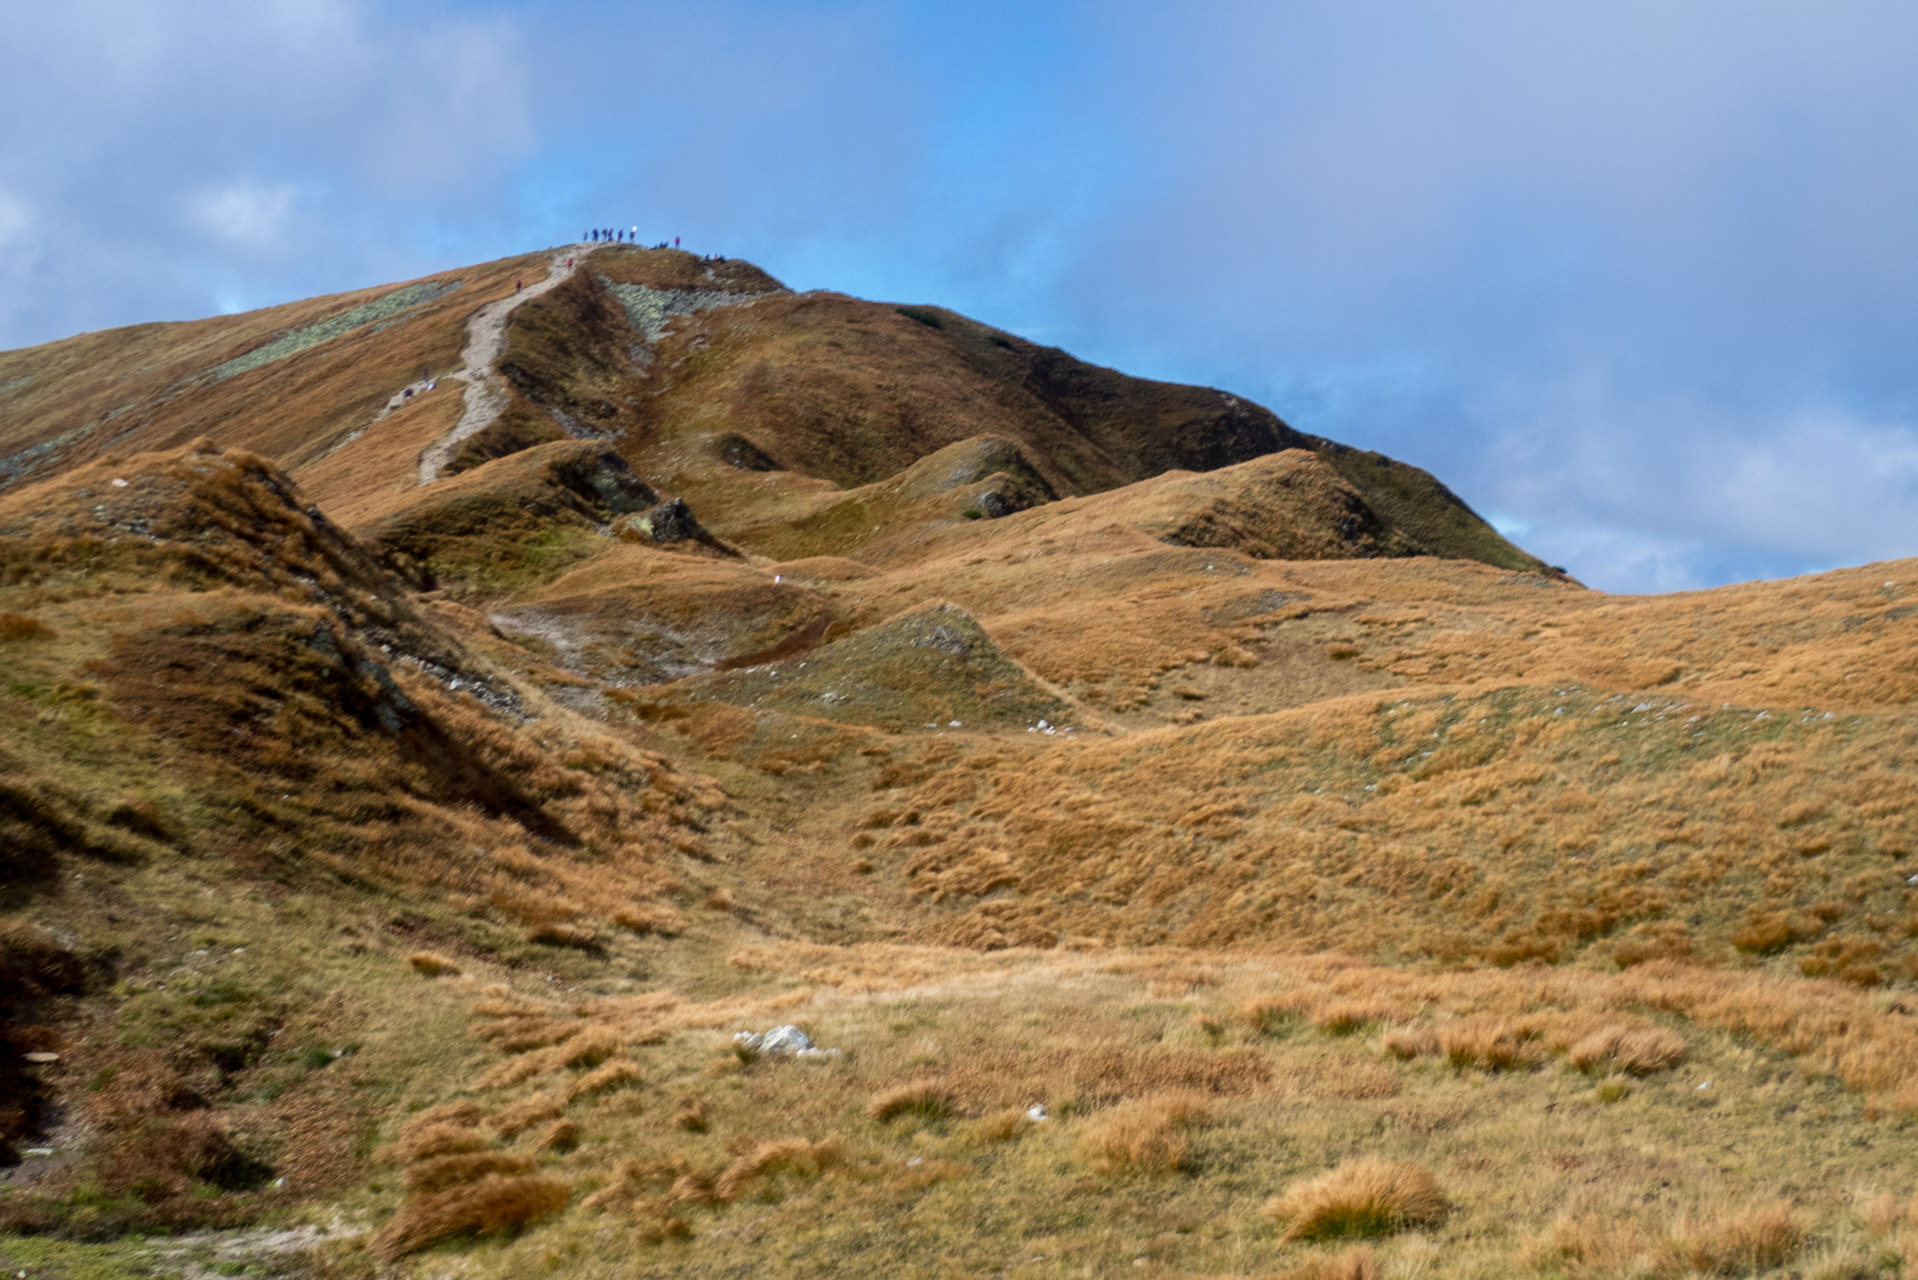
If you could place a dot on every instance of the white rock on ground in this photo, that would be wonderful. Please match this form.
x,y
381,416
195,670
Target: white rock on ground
x,y
783,1042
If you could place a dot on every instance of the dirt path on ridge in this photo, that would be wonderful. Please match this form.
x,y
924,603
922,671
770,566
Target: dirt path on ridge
x,y
485,337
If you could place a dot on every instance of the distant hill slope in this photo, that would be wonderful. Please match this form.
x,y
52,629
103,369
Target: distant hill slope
x,y
692,369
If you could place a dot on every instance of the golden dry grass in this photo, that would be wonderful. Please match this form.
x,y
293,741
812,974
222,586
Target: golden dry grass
x,y
1365,1197
1637,1051
604,1079
927,1099
1750,1239
1597,852
492,1205
1146,1135
794,1157
430,964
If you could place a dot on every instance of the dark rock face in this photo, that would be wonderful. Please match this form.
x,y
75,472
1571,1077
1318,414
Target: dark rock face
x,y
670,521
741,454
609,479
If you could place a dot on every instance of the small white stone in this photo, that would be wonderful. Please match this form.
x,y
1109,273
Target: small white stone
x,y
784,1040
1037,1112
118,484
1701,1088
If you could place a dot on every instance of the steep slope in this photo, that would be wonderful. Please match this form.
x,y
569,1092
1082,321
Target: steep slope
x,y
214,691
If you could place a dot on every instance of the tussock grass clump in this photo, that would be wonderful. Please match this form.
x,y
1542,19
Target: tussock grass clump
x,y
693,1188
18,626
605,1079
1752,1239
1001,1126
430,964
561,1138
793,1156
432,1139
1148,1135
1343,1017
1407,1043
630,1180
1273,1015
650,918
492,1205
1488,1043
1366,1197
560,934
690,1115
525,1114
1638,1051
927,1099
590,1047
442,1172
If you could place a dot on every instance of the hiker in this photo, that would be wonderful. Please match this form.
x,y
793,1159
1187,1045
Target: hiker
x,y
675,242
515,286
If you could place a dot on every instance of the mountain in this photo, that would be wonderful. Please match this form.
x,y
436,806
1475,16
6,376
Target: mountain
x,y
439,717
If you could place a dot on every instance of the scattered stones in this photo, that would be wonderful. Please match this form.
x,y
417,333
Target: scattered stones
x,y
944,638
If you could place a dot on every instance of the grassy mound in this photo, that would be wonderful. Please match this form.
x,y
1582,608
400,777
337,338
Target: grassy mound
x,y
928,668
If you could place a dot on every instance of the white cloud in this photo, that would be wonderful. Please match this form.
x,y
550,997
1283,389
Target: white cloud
x,y
245,214
16,222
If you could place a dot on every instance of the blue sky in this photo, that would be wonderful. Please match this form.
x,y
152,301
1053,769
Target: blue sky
x,y
1638,279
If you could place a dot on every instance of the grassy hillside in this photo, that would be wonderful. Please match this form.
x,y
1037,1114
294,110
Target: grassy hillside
x,y
1194,849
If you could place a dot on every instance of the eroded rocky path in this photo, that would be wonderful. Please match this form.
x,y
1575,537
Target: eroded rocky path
x,y
485,337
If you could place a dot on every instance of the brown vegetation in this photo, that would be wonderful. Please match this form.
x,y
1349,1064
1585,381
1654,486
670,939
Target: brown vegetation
x,y
1747,1240
1631,878
929,1099
1368,1197
1147,1135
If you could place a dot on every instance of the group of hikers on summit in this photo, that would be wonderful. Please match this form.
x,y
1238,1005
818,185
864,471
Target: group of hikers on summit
x,y
613,235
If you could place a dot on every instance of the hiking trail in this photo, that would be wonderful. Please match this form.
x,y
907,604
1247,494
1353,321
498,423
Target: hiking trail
x,y
485,337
